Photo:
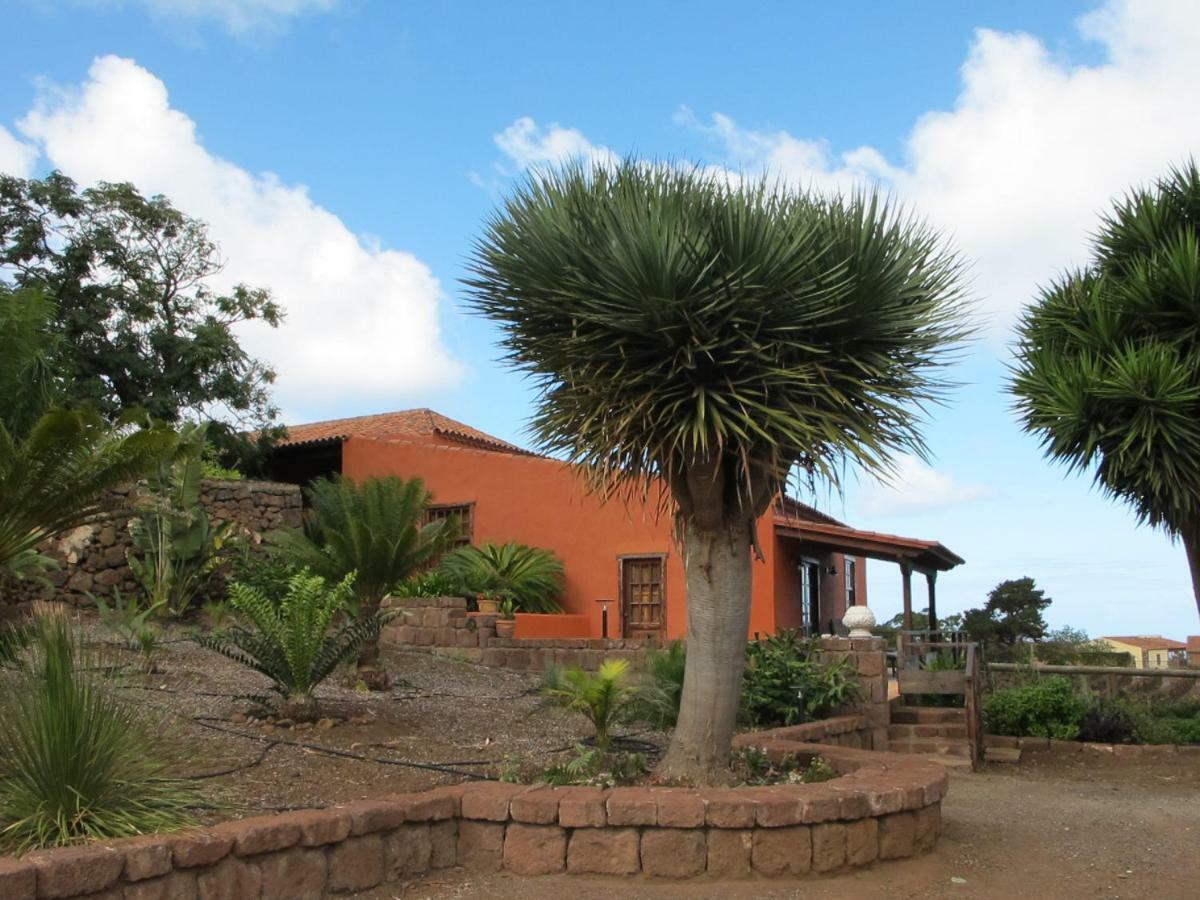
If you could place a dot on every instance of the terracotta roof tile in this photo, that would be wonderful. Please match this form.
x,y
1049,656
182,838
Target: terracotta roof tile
x,y
399,424
1149,642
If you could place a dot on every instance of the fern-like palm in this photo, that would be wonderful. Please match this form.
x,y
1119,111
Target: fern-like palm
x,y
292,640
601,696
531,576
374,528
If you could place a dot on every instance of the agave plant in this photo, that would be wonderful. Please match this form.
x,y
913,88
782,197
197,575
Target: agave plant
x,y
77,761
293,639
601,696
530,576
375,529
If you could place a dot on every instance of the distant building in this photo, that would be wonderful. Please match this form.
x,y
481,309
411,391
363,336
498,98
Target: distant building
x,y
1193,651
1150,651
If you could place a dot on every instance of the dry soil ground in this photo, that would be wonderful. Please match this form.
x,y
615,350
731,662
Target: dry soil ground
x,y
1050,827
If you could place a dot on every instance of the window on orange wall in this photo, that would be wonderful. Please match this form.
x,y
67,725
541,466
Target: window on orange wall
x,y
464,512
849,565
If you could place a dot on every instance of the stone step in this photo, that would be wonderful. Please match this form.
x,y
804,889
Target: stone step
x,y
1002,755
928,715
903,732
950,762
939,746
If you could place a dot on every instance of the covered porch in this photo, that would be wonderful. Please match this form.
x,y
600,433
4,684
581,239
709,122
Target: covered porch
x,y
822,544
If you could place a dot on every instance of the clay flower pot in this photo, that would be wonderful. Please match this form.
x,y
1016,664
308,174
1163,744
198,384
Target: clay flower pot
x,y
488,604
504,627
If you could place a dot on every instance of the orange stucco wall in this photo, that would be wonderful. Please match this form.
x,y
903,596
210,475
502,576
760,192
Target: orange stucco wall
x,y
544,503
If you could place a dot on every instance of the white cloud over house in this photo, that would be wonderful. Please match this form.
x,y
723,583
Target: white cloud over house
x,y
362,320
16,157
915,486
239,16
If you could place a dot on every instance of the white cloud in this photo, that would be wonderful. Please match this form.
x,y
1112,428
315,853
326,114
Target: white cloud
x,y
239,16
915,486
362,320
1033,148
529,145
16,158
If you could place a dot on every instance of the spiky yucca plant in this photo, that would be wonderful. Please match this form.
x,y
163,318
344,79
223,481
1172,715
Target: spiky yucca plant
x,y
292,639
77,761
530,576
601,696
375,528
1108,360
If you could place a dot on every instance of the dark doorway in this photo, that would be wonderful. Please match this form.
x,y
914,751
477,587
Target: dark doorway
x,y
810,596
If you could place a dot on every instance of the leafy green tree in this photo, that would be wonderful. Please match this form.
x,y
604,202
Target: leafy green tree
x,y
139,323
375,528
696,341
28,382
293,638
1012,614
531,577
1108,360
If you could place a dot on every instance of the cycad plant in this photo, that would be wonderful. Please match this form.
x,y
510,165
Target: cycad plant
x,y
1108,360
77,761
601,696
176,547
656,701
293,639
697,339
376,529
530,576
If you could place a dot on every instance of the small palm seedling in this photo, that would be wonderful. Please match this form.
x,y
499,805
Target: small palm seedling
x,y
656,701
601,696
77,761
293,640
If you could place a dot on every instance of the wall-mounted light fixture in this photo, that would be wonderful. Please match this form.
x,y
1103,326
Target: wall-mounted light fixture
x,y
832,570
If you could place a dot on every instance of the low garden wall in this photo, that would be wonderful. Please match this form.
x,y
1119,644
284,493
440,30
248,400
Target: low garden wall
x,y
882,807
442,625
92,558
1116,751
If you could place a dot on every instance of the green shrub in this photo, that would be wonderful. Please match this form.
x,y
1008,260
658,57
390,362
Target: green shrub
x,y
601,696
531,576
434,583
1047,707
292,638
753,765
785,683
656,700
265,569
596,767
1111,722
78,762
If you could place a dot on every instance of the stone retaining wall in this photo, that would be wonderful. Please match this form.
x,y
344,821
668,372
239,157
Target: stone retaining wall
x,y
882,807
1117,751
92,558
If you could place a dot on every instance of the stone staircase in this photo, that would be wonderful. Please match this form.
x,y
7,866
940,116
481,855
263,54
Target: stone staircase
x,y
938,733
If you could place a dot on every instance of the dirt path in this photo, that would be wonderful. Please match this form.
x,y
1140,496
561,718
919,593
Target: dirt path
x,y
1050,829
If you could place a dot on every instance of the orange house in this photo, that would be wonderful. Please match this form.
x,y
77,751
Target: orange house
x,y
624,572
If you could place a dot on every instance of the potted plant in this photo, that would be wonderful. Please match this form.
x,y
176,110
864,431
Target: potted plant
x,y
508,619
488,603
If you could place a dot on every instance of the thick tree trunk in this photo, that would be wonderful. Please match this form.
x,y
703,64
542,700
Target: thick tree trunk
x,y
1191,543
370,667
717,565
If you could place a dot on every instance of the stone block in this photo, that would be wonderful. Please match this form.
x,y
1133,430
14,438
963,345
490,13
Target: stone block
x,y
674,852
927,825
828,846
370,816
582,807
356,863
870,664
176,886
603,851
729,852
536,806
818,803
862,841
146,857
782,851
443,844
729,809
407,851
678,808
489,801
321,826
297,874
200,848
230,879
534,849
632,806
897,833
262,834
73,871
480,845
18,879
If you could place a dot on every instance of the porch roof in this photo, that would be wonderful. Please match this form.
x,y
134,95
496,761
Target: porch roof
x,y
924,556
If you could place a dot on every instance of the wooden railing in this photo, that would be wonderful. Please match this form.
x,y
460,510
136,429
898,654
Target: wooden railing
x,y
916,649
1110,674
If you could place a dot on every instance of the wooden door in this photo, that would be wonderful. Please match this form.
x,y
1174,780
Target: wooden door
x,y
643,600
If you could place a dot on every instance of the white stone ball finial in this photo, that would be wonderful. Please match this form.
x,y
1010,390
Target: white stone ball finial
x,y
859,620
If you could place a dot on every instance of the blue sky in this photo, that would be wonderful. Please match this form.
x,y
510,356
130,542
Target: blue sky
x,y
346,151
